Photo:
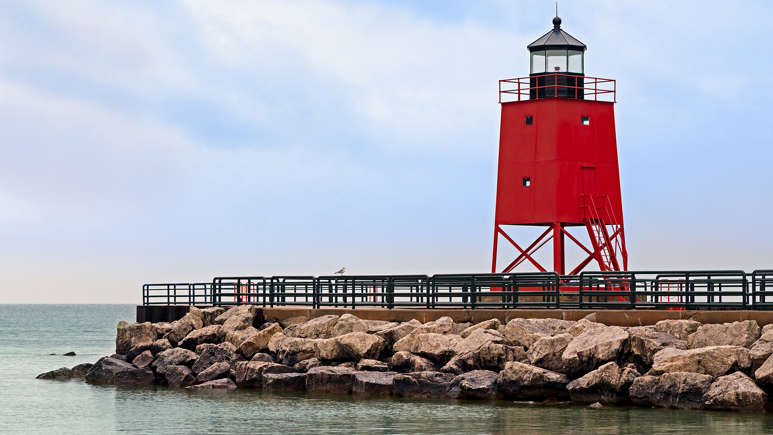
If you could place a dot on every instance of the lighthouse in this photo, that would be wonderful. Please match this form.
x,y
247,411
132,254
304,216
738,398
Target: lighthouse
x,y
558,167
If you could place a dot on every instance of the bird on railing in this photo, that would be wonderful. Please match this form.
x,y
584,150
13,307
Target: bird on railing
x,y
341,271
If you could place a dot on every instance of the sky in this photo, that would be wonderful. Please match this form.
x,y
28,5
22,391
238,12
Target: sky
x,y
176,141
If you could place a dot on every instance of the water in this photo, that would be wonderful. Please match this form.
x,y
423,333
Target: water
x,y
28,333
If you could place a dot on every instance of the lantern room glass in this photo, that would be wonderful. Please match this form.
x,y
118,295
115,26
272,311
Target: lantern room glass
x,y
556,61
548,61
537,62
576,61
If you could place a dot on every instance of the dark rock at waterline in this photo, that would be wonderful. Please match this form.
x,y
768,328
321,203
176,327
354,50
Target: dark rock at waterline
x,y
217,384
284,382
373,383
178,376
249,374
215,371
607,384
144,359
81,370
526,382
69,354
477,384
174,356
671,390
59,374
325,379
117,372
212,355
422,384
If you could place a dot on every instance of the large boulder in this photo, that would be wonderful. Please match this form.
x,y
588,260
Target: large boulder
x,y
521,381
546,352
239,317
583,325
162,328
264,357
59,374
743,334
144,359
671,390
136,350
329,349
279,382
680,329
397,332
114,371
160,345
593,347
217,384
348,323
250,373
404,361
373,383
764,374
215,371
525,332
258,342
645,342
178,376
81,370
212,355
290,350
483,349
359,345
180,328
305,365
238,336
762,348
607,384
477,338
325,379
129,335
174,356
713,360
208,315
207,334
736,392
477,384
422,384
443,325
494,324
435,346
318,327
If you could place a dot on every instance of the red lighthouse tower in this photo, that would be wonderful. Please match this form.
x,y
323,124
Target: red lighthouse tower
x,y
558,160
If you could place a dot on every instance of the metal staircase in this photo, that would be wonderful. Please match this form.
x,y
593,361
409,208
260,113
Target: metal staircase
x,y
606,233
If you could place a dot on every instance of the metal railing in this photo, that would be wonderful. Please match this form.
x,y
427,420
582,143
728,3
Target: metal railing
x,y
669,290
557,85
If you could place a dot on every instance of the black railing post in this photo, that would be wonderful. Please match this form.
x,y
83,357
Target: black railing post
x,y
390,293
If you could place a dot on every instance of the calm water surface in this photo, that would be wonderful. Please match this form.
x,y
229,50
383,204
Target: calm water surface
x,y
28,333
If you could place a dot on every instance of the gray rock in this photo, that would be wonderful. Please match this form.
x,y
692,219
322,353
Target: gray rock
x,y
762,348
547,351
525,332
238,336
743,334
477,384
279,382
208,315
325,379
583,325
646,342
258,342
207,334
494,324
594,347
736,392
671,390
212,355
81,370
318,327
174,356
681,329
250,373
215,371
59,374
396,333
712,360
607,384
764,374
422,384
372,365
238,317
407,362
144,359
379,384
217,384
526,382
114,371
178,376
489,356
443,325
136,350
347,324
290,350
359,345
437,347
129,335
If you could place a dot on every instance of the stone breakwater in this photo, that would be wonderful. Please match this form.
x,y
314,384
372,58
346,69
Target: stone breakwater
x,y
673,364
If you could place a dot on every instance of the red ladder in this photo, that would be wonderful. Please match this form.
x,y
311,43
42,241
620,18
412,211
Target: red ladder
x,y
609,248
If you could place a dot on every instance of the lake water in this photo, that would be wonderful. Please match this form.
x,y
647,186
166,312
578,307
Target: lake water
x,y
28,333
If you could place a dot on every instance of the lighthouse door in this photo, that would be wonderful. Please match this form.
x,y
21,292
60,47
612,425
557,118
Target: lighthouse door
x,y
588,180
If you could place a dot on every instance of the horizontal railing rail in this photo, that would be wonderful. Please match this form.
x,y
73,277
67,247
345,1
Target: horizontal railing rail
x,y
667,290
557,85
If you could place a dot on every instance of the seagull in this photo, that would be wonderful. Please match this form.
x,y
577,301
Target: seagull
x,y
341,272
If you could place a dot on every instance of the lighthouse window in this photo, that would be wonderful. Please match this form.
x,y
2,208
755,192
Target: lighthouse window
x,y
526,181
538,62
556,61
575,61
529,120
585,120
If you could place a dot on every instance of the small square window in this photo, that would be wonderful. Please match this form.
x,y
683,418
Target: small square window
x,y
526,181
529,120
585,120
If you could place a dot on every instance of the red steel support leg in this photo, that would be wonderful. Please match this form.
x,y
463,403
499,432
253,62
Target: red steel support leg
x,y
558,249
494,255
